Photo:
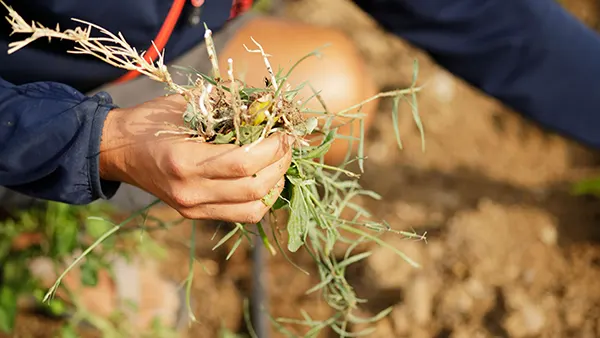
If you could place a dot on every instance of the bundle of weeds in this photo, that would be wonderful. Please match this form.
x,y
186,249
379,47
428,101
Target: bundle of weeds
x,y
223,109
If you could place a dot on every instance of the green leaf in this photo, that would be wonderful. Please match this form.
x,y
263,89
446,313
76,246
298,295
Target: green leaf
x,y
249,133
190,117
8,309
223,138
395,103
298,219
293,171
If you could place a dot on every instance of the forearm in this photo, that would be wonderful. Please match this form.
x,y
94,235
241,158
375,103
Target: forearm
x,y
532,55
50,138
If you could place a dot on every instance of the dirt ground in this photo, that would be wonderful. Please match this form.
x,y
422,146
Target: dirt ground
x,y
510,252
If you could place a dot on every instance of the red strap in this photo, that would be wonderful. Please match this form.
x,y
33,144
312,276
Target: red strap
x,y
161,38
239,7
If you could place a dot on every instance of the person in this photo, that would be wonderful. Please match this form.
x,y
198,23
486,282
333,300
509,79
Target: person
x,y
58,143
74,129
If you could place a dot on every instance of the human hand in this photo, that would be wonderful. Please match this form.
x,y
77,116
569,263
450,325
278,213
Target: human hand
x,y
201,181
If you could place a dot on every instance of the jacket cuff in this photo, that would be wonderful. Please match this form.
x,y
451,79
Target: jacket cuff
x,y
101,189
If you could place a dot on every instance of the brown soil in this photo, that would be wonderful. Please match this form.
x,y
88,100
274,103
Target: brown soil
x,y
510,252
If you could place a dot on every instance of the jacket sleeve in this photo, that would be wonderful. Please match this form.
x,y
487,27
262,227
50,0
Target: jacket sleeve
x,y
530,54
50,140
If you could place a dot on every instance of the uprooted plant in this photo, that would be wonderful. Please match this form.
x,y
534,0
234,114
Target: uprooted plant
x,y
223,109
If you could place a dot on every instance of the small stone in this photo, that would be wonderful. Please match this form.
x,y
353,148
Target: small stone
x,y
390,271
419,300
549,235
528,321
444,86
400,320
476,289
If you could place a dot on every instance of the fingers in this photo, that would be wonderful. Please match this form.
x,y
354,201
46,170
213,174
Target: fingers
x,y
247,212
237,190
227,182
231,161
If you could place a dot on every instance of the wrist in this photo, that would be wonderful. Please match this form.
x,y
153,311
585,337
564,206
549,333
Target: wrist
x,y
111,164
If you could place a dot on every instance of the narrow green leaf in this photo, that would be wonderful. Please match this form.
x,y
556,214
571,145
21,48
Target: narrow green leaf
x,y
417,119
358,320
265,239
226,237
361,146
354,259
382,243
415,72
319,286
395,104
282,79
234,248
190,276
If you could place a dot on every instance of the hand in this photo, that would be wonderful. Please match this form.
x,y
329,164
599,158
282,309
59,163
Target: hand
x,y
200,180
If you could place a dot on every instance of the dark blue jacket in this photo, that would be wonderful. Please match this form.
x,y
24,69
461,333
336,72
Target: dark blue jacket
x,y
530,54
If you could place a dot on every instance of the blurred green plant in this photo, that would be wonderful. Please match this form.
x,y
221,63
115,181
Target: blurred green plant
x,y
262,6
590,186
58,232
